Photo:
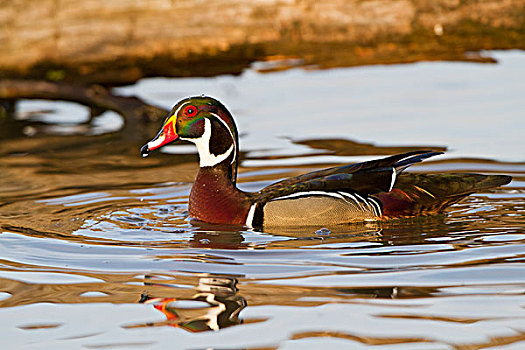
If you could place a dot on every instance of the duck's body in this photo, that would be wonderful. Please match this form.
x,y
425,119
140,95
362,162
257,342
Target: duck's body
x,y
374,190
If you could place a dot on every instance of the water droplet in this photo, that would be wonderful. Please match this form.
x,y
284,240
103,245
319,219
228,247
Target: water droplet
x,y
323,232
204,241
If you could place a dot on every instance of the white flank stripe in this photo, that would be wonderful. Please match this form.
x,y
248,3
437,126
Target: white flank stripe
x,y
363,204
368,206
369,202
375,204
310,193
361,198
203,147
251,213
351,196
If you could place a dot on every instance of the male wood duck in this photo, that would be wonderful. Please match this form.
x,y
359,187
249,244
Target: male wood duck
x,y
368,191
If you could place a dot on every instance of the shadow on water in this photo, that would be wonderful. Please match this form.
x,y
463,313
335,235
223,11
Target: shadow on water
x,y
97,250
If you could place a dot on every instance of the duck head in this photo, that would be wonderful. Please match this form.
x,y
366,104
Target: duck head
x,y
208,124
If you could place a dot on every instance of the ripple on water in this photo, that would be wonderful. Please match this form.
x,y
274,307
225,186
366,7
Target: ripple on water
x,y
97,250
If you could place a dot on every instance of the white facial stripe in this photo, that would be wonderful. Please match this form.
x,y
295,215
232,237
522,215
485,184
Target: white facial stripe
x,y
231,134
203,147
251,213
156,143
178,109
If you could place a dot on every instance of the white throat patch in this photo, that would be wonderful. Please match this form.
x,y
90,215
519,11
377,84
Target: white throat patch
x,y
203,147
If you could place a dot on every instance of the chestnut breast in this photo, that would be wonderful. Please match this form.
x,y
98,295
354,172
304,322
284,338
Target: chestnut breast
x,y
214,199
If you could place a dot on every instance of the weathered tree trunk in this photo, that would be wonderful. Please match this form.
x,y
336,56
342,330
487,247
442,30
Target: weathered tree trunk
x,y
121,41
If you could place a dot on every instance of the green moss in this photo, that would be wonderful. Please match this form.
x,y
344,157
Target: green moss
x,y
55,75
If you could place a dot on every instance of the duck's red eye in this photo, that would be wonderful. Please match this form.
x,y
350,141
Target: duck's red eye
x,y
190,111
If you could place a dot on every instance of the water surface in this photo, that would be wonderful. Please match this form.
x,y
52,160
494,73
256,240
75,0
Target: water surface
x,y
96,249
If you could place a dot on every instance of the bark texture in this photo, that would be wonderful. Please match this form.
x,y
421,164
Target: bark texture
x,y
120,41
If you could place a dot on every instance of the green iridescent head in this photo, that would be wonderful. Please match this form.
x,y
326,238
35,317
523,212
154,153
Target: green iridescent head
x,y
204,121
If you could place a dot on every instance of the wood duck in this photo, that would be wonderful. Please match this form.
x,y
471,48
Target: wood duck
x,y
368,191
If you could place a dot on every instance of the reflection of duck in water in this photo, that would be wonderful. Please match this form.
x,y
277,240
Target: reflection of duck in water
x,y
368,191
215,306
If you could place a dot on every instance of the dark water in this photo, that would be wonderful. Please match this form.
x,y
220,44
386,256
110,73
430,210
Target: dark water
x,y
96,250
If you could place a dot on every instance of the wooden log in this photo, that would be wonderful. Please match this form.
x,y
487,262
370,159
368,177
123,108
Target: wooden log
x,y
118,42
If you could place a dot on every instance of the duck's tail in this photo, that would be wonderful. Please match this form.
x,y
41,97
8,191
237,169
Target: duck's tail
x,y
420,194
